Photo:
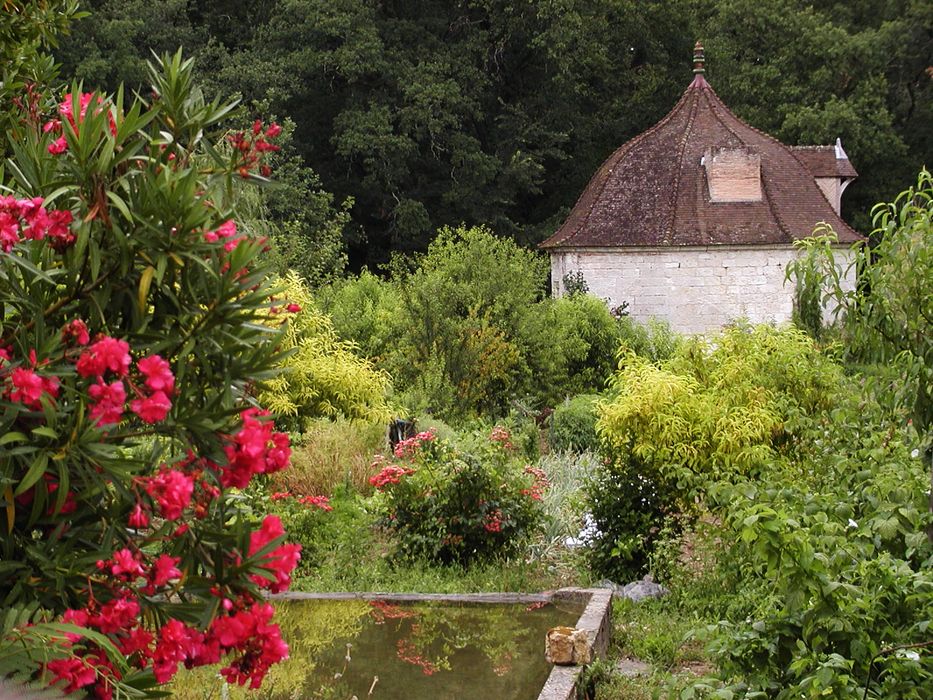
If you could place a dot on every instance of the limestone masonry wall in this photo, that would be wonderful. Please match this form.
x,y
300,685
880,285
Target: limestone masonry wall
x,y
694,289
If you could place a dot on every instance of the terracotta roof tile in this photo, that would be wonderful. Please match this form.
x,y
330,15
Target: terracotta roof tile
x,y
653,191
822,161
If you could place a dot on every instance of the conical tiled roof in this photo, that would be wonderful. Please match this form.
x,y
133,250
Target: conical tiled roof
x,y
655,190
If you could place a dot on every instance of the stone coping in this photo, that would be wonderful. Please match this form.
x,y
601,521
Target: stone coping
x,y
595,620
523,598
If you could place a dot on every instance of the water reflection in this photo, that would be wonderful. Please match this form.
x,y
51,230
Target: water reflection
x,y
385,651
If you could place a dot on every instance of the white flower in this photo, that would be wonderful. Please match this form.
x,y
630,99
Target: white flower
x,y
852,523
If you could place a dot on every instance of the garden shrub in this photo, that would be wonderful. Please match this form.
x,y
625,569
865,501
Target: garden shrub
x,y
132,342
322,375
573,425
629,506
839,541
451,506
572,345
363,310
654,339
719,409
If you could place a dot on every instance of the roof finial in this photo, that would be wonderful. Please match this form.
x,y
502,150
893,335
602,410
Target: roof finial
x,y
698,60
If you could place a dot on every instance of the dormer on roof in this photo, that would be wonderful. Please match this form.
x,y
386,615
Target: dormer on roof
x,y
733,175
830,167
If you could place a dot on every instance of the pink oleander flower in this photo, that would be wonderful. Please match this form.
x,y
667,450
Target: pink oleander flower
x,y
171,490
138,517
29,387
105,355
281,561
76,330
109,401
124,564
158,374
164,569
152,408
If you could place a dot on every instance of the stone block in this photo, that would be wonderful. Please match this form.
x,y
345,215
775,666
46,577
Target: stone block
x,y
566,646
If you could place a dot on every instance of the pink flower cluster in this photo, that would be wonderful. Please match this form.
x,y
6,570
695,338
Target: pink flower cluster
x,y
25,385
243,630
66,111
390,474
173,489
27,219
226,232
256,449
407,449
251,146
110,357
501,436
247,632
281,561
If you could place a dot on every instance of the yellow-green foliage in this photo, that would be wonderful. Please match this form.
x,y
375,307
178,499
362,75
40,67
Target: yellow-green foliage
x,y
719,406
323,376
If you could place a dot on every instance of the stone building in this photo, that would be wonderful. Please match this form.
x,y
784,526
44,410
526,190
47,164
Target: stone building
x,y
694,220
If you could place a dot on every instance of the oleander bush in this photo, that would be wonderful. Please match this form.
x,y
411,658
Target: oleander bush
x,y
133,344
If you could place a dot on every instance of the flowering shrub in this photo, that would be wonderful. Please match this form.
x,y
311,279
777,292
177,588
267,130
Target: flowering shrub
x,y
452,506
131,343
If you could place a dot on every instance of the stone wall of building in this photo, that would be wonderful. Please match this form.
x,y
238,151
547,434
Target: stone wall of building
x,y
695,289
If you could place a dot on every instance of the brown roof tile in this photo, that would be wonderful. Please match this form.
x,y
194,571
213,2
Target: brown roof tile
x,y
653,191
822,161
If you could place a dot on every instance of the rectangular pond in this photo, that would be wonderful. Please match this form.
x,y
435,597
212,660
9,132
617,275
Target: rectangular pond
x,y
404,648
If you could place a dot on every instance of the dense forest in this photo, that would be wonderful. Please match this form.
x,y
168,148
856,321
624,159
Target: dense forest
x,y
403,117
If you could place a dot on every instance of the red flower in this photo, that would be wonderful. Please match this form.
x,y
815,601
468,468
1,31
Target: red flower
x,y
74,671
107,354
158,374
322,502
59,230
125,565
138,517
58,146
116,615
256,449
29,387
172,491
152,408
109,402
164,569
390,474
76,330
281,561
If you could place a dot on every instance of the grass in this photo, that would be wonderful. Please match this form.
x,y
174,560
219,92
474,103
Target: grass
x,y
332,454
660,633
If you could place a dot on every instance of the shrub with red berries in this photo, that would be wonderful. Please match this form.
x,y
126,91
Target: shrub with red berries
x,y
132,348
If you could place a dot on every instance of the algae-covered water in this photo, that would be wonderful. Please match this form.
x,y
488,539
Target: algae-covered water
x,y
385,651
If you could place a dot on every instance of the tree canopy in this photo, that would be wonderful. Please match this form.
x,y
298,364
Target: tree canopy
x,y
434,113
